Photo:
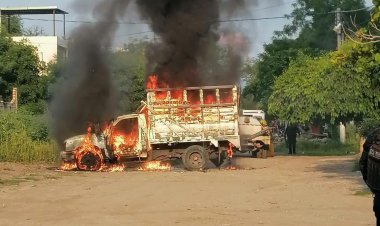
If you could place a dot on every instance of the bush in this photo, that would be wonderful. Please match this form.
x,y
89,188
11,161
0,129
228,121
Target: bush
x,y
352,135
24,138
368,124
315,148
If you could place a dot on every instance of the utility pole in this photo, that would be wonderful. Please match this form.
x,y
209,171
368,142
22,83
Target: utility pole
x,y
339,27
339,32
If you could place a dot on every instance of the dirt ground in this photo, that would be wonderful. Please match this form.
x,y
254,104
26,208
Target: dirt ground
x,y
284,190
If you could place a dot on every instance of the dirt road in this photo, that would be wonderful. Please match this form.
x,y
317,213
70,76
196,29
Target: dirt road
x,y
277,191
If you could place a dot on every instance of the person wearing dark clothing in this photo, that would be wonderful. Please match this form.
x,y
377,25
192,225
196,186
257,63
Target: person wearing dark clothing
x,y
370,168
291,132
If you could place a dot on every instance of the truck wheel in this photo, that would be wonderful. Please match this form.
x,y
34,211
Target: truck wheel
x,y
254,153
195,158
89,160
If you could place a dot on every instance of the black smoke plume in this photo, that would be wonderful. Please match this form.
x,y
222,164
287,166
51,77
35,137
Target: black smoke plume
x,y
187,35
86,93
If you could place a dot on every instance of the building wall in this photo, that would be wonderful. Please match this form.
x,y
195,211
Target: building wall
x,y
48,47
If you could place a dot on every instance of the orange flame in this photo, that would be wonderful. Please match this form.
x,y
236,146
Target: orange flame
x,y
88,150
226,96
230,167
122,141
177,94
113,168
152,82
68,166
230,151
155,166
210,99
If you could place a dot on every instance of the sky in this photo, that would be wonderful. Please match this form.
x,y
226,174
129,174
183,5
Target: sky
x,y
258,32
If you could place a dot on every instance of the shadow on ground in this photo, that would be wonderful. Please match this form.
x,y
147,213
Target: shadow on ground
x,y
339,167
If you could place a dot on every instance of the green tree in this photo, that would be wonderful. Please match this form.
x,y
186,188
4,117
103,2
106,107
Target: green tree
x,y
312,22
20,67
128,69
262,73
342,85
12,26
315,20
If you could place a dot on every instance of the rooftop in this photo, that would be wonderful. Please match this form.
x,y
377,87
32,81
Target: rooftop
x,y
31,10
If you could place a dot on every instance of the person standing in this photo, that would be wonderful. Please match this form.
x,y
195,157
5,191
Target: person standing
x,y
291,132
370,168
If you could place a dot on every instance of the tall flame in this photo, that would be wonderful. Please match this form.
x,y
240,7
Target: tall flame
x,y
230,153
123,141
87,155
152,82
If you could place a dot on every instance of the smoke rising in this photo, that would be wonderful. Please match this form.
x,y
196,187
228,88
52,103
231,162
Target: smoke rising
x,y
190,49
87,94
188,34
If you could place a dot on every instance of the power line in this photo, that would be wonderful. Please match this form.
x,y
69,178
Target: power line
x,y
137,33
355,10
251,19
290,16
80,21
214,21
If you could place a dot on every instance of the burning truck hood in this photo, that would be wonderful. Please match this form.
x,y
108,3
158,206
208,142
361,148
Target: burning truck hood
x,y
73,142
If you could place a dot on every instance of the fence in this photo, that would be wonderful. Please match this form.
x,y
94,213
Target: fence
x,y
7,106
10,106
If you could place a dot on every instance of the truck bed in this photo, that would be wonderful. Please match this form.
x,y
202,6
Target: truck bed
x,y
193,114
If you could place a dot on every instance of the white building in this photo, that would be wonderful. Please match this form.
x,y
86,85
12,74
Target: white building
x,y
48,47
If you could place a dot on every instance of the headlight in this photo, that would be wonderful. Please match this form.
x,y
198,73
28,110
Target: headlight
x,y
69,145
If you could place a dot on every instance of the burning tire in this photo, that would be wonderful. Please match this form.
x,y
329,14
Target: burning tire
x,y
89,159
195,158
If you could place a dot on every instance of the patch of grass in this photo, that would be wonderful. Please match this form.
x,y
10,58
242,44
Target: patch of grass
x,y
27,178
22,141
17,180
30,178
21,148
9,182
363,192
314,148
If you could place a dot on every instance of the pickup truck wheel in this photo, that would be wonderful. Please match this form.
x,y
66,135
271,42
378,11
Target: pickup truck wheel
x,y
89,160
195,158
254,153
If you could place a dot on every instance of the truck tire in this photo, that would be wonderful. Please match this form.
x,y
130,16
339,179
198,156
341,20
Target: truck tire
x,y
195,158
89,159
262,154
254,153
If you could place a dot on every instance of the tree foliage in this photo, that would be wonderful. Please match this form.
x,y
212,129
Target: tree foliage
x,y
262,73
312,24
12,26
20,67
340,85
314,20
128,69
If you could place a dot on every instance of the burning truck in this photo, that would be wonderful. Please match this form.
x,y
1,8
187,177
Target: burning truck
x,y
195,124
